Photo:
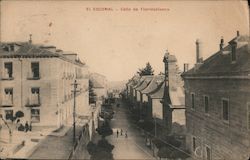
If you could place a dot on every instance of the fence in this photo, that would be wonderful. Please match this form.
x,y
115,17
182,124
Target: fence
x,y
78,141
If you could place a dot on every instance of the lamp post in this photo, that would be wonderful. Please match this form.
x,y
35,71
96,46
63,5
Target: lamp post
x,y
75,84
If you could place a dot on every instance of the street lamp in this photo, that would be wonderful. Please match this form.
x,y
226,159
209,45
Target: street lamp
x,y
74,110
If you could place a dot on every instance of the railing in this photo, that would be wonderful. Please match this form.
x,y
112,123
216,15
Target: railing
x,y
34,101
7,102
75,145
33,76
6,76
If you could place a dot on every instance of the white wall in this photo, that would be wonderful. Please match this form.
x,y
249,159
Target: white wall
x,y
157,108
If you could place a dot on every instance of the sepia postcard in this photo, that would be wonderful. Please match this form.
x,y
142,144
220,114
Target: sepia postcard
x,y
125,80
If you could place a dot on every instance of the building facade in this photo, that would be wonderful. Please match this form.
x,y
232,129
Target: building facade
x,y
37,80
217,96
100,85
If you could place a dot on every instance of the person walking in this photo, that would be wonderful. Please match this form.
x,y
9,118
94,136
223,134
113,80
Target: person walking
x,y
117,133
30,126
26,126
126,134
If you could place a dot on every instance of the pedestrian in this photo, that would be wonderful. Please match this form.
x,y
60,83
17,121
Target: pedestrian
x,y
121,132
117,133
17,123
30,126
126,134
26,126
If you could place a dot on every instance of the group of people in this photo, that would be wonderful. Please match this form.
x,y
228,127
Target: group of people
x,y
121,133
26,127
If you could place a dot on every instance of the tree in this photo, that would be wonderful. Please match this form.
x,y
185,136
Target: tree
x,y
104,130
105,145
148,70
92,148
92,95
101,150
19,114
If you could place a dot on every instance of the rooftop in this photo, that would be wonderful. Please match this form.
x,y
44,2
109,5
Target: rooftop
x,y
220,63
176,95
96,84
154,84
29,50
144,83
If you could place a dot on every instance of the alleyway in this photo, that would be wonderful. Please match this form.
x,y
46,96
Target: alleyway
x,y
132,147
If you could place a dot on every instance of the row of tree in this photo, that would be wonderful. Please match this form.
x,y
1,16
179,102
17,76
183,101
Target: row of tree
x,y
103,149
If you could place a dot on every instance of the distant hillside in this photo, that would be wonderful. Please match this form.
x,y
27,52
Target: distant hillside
x,y
118,85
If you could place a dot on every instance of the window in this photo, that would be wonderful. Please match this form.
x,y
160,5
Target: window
x,y
35,69
208,153
35,115
12,47
206,105
194,143
35,96
35,90
8,70
192,100
9,114
225,110
8,96
248,116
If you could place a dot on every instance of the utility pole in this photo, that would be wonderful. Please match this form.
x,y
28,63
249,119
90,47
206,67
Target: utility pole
x,y
74,110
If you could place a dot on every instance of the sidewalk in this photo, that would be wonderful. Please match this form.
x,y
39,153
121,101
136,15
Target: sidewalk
x,y
19,144
56,146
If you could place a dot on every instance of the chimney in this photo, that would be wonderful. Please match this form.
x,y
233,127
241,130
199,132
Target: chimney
x,y
221,44
30,40
238,33
198,52
185,67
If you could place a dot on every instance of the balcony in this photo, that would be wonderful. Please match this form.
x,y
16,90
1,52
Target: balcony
x,y
33,76
6,76
7,102
33,101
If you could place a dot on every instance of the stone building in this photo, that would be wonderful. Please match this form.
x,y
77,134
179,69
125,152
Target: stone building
x,y
37,80
100,85
129,88
173,97
217,96
146,106
138,97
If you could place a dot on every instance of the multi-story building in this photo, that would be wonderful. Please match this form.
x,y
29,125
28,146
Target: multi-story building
x,y
167,101
217,96
100,85
37,80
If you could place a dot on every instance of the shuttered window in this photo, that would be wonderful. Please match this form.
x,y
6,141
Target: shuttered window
x,y
225,110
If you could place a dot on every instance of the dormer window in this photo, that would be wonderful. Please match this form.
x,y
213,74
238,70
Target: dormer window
x,y
12,48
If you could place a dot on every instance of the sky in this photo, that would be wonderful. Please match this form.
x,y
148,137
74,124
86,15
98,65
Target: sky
x,y
116,43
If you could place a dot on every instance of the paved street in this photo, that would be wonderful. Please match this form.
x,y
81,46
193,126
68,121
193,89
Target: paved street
x,y
132,147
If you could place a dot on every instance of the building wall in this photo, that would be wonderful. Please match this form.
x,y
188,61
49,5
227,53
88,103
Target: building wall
x,y
178,116
157,108
229,140
144,98
56,77
100,92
